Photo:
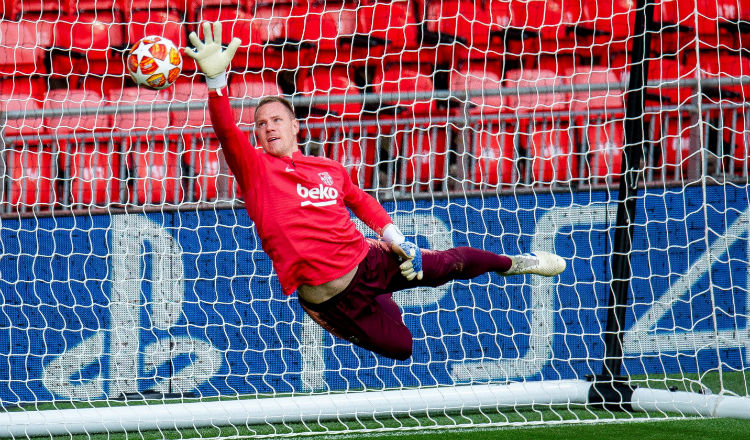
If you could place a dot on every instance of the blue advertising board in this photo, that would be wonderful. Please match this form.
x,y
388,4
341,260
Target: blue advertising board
x,y
96,306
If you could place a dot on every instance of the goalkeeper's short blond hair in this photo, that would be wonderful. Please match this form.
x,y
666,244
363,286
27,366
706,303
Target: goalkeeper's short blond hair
x,y
280,99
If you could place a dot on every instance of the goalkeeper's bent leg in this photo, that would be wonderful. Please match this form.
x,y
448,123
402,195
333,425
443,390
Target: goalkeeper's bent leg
x,y
365,313
459,263
369,321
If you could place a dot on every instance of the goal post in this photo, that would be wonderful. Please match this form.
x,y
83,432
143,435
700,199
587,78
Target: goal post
x,y
135,295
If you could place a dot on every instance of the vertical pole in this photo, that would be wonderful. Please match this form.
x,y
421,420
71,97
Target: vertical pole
x,y
628,190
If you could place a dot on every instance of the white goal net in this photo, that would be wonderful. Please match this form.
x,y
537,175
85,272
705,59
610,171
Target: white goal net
x,y
135,296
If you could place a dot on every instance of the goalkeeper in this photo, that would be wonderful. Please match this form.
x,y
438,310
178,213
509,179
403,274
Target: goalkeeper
x,y
299,203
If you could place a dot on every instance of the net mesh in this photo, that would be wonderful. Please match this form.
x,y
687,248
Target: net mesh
x,y
130,270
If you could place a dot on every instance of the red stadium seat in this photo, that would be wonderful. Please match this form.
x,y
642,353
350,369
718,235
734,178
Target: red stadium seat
x,y
539,102
190,90
234,20
404,79
729,66
419,151
178,7
162,23
325,120
195,7
668,70
582,100
425,154
733,113
72,100
269,23
608,26
316,30
328,81
462,25
19,52
549,146
508,28
743,24
20,102
493,152
386,29
92,174
32,183
33,85
357,156
41,14
544,136
718,23
80,145
95,5
478,79
604,138
601,115
250,86
154,161
210,178
487,140
156,172
85,43
130,120
200,151
13,10
260,30
552,21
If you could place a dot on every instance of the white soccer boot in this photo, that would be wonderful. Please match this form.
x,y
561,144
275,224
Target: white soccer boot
x,y
536,263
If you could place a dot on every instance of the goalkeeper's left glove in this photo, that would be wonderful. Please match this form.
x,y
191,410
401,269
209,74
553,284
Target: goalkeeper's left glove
x,y
409,252
210,57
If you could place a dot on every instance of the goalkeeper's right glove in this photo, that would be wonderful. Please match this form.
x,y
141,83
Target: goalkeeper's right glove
x,y
212,60
409,252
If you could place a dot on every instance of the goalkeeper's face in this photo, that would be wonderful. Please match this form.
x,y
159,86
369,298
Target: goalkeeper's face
x,y
276,129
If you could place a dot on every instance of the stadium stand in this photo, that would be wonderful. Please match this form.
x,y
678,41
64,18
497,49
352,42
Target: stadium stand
x,y
544,138
402,46
317,31
487,138
387,31
423,149
165,23
600,116
461,28
91,173
32,176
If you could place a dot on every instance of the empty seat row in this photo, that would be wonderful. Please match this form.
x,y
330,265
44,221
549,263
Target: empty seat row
x,y
542,90
84,109
532,91
88,37
101,174
504,151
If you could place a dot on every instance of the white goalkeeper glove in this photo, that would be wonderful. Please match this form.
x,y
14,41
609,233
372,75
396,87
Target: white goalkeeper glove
x,y
409,252
209,55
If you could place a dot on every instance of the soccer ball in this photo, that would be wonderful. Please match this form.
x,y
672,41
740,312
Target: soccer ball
x,y
154,62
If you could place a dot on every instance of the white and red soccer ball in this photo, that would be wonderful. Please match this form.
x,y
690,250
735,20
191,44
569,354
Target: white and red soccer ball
x,y
154,62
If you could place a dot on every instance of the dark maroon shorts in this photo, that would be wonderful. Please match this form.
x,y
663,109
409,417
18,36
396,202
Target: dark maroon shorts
x,y
365,313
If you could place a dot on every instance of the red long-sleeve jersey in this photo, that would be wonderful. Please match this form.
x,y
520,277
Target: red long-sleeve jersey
x,y
299,206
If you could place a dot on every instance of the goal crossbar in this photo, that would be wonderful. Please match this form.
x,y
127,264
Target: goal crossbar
x,y
349,406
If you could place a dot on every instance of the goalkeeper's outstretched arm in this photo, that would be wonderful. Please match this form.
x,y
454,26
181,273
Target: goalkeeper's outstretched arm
x,y
214,61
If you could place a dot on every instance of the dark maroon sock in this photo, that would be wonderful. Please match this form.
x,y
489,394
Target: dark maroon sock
x,y
460,263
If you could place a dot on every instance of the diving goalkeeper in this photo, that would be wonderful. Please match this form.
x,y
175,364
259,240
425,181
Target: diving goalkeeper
x,y
299,203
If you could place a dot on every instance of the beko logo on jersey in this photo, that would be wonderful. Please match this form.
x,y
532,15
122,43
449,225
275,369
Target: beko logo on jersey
x,y
326,194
